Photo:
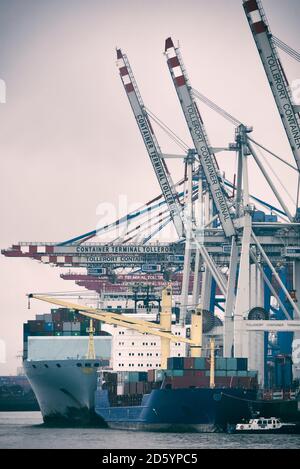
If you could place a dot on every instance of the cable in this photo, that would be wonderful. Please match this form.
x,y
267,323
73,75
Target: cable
x,y
286,48
236,122
168,131
216,108
275,175
273,154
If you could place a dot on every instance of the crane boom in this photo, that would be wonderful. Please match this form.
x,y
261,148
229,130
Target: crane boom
x,y
115,319
150,141
276,77
198,134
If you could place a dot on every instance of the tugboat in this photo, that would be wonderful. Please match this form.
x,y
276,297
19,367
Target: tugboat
x,y
264,425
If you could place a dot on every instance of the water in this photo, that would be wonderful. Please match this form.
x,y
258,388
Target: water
x,y
26,430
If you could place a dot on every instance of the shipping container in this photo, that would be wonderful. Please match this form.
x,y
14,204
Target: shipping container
x,y
48,327
48,317
252,374
200,363
271,218
231,373
56,316
36,326
175,363
220,373
258,216
231,364
221,363
151,375
67,326
178,372
58,326
242,364
75,326
188,363
132,387
242,373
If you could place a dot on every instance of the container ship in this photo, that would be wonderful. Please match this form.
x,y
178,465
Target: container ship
x,y
56,363
128,387
184,397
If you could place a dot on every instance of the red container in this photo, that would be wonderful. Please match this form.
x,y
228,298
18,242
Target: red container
x,y
151,376
56,316
140,388
132,388
199,373
188,363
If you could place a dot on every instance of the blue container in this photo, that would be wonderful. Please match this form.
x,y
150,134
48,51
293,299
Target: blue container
x,y
48,327
271,218
258,216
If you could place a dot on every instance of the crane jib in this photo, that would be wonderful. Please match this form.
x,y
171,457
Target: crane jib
x,y
275,73
150,141
202,148
197,131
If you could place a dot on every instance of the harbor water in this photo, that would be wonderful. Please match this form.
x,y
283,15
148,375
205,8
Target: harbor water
x,y
26,430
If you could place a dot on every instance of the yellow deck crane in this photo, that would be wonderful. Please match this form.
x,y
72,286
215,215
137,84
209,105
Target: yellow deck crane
x,y
162,330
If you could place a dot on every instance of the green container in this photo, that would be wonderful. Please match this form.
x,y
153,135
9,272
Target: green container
x,y
242,373
220,373
131,377
221,363
58,333
207,373
252,374
177,372
231,364
231,373
200,363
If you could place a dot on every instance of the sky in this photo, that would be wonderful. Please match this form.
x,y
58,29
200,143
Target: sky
x,y
68,140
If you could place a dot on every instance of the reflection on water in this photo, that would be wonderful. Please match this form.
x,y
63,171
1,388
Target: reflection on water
x,y
25,430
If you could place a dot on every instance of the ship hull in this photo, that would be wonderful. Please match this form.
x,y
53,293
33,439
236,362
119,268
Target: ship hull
x,y
286,410
178,410
65,390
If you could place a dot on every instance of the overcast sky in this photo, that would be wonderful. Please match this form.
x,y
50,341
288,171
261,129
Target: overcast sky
x,y
68,140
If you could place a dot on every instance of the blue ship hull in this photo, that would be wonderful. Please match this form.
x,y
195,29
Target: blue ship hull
x,y
190,409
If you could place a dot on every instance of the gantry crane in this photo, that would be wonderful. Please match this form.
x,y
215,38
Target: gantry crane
x,y
151,143
162,330
275,73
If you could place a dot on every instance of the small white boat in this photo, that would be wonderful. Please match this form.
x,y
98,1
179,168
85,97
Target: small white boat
x,y
265,425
